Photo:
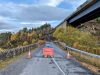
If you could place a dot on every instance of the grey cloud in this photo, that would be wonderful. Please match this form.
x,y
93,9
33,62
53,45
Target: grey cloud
x,y
6,25
16,14
33,12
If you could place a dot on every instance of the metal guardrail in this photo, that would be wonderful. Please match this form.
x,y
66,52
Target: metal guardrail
x,y
82,52
82,56
10,53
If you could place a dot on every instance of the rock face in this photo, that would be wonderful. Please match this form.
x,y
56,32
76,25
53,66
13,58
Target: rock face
x,y
92,26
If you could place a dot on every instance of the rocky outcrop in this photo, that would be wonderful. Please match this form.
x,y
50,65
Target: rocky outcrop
x,y
92,27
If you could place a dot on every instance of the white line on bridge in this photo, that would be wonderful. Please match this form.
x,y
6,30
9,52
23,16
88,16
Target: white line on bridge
x,y
58,66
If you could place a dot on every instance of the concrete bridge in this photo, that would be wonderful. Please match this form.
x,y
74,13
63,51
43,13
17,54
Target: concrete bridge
x,y
86,12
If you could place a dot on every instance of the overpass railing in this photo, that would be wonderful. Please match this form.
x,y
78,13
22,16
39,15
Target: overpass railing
x,y
10,53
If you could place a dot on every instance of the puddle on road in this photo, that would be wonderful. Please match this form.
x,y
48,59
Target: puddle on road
x,y
53,67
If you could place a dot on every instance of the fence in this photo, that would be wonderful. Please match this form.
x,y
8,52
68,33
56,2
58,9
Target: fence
x,y
10,53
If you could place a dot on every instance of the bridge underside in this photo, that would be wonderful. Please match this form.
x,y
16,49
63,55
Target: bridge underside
x,y
85,15
92,15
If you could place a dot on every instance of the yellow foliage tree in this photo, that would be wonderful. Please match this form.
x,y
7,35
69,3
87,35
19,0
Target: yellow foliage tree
x,y
76,38
33,41
41,42
25,43
14,37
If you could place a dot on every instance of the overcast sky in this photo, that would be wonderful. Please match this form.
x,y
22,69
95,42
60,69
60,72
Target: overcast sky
x,y
16,14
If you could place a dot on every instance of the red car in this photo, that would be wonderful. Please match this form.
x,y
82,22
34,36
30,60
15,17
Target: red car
x,y
48,52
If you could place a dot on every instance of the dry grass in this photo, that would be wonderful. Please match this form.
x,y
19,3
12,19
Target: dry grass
x,y
84,58
91,67
89,62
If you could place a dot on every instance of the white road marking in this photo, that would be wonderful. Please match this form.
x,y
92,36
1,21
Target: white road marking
x,y
58,66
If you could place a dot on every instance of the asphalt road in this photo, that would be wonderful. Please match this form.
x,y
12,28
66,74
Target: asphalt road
x,y
39,65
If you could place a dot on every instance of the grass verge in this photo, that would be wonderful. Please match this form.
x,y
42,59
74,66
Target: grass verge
x,y
92,64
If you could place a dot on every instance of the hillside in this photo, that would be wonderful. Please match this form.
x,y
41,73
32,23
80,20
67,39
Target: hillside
x,y
92,26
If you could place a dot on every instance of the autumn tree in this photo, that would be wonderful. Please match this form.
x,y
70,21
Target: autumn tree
x,y
25,43
78,39
14,37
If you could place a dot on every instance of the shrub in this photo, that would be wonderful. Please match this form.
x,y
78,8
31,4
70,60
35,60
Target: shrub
x,y
33,41
1,50
77,39
41,42
25,43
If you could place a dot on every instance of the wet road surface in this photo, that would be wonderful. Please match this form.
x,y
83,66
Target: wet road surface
x,y
39,65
